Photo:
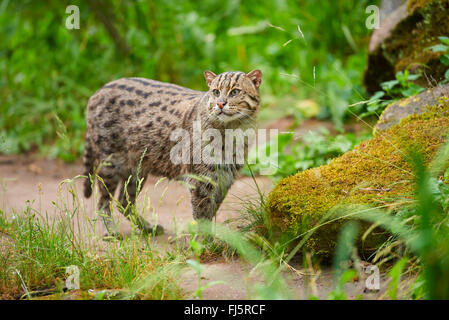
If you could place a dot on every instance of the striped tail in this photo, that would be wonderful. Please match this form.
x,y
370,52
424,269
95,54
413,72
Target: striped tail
x,y
88,162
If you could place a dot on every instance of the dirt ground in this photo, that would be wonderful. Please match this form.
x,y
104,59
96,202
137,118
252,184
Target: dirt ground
x,y
38,184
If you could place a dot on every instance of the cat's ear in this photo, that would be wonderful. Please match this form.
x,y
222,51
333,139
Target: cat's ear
x,y
256,77
210,76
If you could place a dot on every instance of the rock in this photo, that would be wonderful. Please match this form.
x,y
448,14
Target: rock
x,y
389,6
376,172
401,40
396,111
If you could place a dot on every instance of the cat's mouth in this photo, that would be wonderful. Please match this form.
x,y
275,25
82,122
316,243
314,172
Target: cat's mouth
x,y
220,112
227,117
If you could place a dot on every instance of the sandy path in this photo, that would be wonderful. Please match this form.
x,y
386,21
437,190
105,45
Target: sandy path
x,y
36,183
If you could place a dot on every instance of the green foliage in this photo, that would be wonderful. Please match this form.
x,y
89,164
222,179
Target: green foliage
x,y
403,86
444,58
311,150
196,265
395,274
344,252
432,242
40,250
338,293
48,70
393,90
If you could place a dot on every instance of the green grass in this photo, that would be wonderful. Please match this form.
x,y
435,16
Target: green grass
x,y
37,253
311,150
37,249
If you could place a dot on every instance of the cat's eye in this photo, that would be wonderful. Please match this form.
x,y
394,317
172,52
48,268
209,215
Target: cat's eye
x,y
234,92
216,92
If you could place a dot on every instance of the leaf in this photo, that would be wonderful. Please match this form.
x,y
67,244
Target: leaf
x,y
438,48
195,265
413,90
388,85
412,77
196,247
212,283
377,95
445,59
446,173
444,40
366,114
395,274
346,277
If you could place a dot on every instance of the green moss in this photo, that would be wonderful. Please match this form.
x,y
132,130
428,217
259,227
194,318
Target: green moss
x,y
417,4
407,48
374,173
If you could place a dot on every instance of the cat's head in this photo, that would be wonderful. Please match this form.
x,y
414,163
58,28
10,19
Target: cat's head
x,y
233,96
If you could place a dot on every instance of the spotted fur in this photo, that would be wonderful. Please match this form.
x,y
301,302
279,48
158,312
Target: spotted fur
x,y
130,120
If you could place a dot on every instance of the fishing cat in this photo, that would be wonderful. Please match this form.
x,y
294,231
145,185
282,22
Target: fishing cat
x,y
129,125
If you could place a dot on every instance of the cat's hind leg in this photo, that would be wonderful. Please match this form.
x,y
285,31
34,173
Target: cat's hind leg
x,y
128,194
107,186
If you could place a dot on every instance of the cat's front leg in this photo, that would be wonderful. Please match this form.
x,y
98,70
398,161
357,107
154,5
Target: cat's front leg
x,y
207,196
205,201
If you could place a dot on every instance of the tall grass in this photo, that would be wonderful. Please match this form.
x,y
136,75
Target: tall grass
x,y
37,249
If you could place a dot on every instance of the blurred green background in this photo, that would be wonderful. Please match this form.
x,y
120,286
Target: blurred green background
x,y
48,72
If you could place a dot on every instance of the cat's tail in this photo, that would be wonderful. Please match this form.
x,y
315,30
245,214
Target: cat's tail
x,y
88,162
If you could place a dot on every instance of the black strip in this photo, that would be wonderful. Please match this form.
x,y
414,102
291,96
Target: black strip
x,y
155,104
253,98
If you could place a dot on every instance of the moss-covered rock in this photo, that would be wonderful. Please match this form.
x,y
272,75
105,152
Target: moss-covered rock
x,y
376,173
401,41
418,104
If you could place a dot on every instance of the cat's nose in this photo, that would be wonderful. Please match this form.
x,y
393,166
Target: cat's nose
x,y
221,104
